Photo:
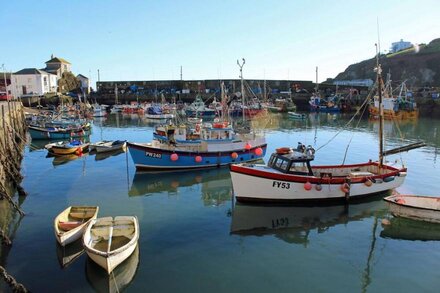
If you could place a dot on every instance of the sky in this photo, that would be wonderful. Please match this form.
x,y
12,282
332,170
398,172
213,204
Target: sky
x,y
152,40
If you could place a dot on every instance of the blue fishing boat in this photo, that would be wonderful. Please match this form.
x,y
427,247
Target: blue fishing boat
x,y
37,132
156,112
206,145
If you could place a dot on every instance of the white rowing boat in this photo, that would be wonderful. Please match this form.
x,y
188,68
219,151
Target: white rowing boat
x,y
108,242
70,224
108,146
416,207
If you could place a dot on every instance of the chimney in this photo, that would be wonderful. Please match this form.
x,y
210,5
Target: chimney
x,y
51,56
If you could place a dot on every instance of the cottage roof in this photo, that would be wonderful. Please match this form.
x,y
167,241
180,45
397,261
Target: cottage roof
x,y
82,76
58,60
30,71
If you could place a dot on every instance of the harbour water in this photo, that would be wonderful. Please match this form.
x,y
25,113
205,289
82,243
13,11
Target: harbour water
x,y
195,238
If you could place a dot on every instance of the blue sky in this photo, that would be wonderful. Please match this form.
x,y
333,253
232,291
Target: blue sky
x,y
143,40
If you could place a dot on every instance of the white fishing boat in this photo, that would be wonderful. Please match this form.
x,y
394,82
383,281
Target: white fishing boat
x,y
416,207
289,176
70,224
108,242
108,145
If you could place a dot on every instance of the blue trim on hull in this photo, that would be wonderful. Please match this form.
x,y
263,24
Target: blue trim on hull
x,y
152,158
45,134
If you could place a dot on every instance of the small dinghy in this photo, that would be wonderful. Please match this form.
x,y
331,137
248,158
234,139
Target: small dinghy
x,y
108,242
67,148
108,146
416,207
294,115
70,224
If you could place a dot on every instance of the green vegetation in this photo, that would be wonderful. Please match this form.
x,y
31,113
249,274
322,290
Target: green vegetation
x,y
68,82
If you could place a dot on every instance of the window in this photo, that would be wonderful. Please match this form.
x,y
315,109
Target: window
x,y
45,80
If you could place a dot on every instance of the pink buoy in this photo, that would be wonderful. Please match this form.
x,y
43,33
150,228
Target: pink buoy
x,y
247,146
258,151
234,155
174,157
198,159
307,185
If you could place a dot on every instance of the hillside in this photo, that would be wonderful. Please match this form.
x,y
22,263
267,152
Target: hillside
x,y
420,68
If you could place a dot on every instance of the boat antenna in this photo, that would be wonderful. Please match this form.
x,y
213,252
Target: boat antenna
x,y
378,70
242,86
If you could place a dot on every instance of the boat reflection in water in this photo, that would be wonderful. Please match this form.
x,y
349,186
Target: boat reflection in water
x,y
64,159
407,229
215,183
118,280
294,223
69,253
105,155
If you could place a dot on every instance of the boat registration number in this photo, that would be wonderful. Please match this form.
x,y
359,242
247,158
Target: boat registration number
x,y
283,185
153,155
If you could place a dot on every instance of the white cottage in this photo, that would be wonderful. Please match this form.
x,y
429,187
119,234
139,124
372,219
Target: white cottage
x,y
85,83
33,82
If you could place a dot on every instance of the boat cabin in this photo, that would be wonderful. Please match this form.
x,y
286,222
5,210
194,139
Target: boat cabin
x,y
292,162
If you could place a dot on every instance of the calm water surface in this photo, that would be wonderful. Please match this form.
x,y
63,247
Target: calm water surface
x,y
195,238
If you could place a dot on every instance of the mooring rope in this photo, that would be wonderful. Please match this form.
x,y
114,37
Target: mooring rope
x,y
6,241
13,284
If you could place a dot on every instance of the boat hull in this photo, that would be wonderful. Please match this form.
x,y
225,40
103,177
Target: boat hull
x,y
253,186
42,133
148,157
420,208
111,262
67,237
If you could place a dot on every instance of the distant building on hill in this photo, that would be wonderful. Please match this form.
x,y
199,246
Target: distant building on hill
x,y
401,45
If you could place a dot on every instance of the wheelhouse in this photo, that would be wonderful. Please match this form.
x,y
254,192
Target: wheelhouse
x,y
294,162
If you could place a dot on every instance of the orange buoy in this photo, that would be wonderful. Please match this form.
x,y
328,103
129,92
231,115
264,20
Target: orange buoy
x,y
307,185
174,157
198,159
368,182
234,155
345,188
247,146
258,151
400,201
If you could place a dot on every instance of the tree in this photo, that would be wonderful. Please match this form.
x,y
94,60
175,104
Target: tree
x,y
68,82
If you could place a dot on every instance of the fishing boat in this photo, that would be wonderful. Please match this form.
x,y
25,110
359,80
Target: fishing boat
x,y
70,224
156,112
199,109
416,207
295,115
108,145
67,147
289,176
37,132
400,106
206,145
108,242
281,105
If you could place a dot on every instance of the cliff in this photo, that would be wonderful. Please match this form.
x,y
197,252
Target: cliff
x,y
419,66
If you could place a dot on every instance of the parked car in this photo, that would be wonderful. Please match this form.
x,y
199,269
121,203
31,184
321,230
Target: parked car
x,y
4,97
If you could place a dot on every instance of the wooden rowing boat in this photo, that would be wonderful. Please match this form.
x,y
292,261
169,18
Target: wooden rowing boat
x,y
70,224
416,207
67,148
108,241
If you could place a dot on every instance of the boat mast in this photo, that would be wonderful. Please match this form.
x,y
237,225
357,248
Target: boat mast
x,y
379,89
242,86
316,85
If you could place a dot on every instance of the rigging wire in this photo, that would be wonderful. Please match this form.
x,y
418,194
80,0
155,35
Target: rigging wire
x,y
349,122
